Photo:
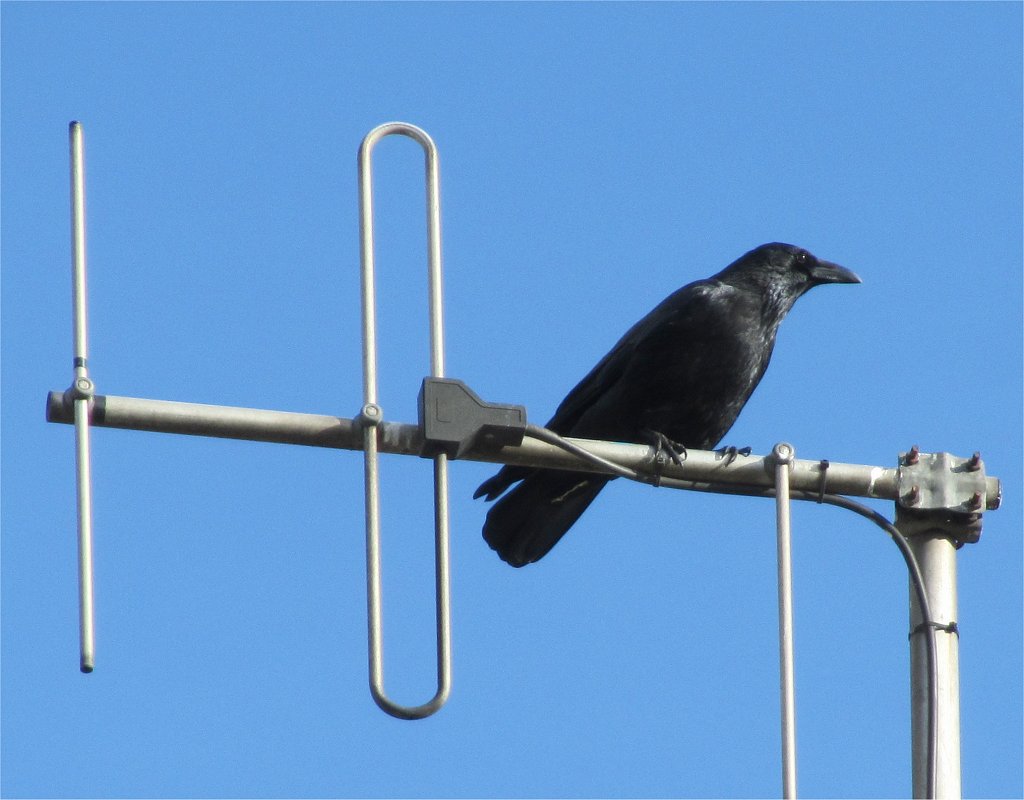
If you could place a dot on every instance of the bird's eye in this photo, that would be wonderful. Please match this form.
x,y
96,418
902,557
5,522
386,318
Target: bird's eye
x,y
803,258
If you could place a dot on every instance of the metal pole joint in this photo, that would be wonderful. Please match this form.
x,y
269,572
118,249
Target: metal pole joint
x,y
81,388
370,415
940,492
784,453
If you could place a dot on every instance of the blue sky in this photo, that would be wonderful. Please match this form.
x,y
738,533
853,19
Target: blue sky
x,y
594,158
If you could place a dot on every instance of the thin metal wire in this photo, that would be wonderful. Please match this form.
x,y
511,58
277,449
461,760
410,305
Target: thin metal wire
x,y
787,687
82,387
372,415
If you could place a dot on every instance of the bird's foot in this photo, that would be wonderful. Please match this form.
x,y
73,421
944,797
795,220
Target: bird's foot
x,y
665,449
730,453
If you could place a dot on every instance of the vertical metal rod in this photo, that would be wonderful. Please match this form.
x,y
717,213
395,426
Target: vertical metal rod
x,y
936,556
442,582
783,459
435,300
371,415
86,613
373,588
82,391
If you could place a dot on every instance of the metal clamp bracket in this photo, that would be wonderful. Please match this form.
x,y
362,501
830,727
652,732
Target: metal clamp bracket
x,y
942,491
371,415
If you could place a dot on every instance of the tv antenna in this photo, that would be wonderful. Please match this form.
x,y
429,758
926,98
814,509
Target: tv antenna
x,y
940,498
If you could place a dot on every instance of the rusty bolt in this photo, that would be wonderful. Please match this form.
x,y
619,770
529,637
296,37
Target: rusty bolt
x,y
913,455
974,462
913,496
975,501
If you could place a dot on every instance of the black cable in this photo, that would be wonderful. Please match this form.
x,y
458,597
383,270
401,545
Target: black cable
x,y
917,579
549,436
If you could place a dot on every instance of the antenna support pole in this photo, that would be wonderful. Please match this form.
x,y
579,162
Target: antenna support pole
x,y
939,500
936,555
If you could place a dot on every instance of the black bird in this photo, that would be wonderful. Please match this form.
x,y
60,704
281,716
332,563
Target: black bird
x,y
683,372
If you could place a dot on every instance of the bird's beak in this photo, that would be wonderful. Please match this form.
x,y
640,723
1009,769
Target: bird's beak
x,y
827,272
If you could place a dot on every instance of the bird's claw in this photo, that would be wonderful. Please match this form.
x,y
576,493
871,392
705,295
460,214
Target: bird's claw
x,y
662,446
730,453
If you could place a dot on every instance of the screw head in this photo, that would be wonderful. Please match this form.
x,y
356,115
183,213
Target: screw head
x,y
82,388
784,452
371,413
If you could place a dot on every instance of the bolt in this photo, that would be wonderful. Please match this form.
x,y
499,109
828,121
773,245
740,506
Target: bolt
x,y
913,497
975,501
82,388
974,462
913,455
371,413
783,451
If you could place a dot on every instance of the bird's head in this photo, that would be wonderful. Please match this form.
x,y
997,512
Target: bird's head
x,y
781,273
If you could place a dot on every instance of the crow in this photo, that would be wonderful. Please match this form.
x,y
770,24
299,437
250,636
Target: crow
x,y
680,376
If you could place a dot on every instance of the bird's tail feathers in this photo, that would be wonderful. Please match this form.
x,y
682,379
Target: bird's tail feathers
x,y
528,521
500,481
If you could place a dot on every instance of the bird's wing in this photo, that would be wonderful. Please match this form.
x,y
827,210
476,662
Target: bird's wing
x,y
681,318
663,321
596,382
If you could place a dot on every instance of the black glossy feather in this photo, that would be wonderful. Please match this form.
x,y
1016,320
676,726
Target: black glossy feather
x,y
685,370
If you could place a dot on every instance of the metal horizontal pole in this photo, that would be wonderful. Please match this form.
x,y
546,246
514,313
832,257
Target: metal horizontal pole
x,y
317,430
